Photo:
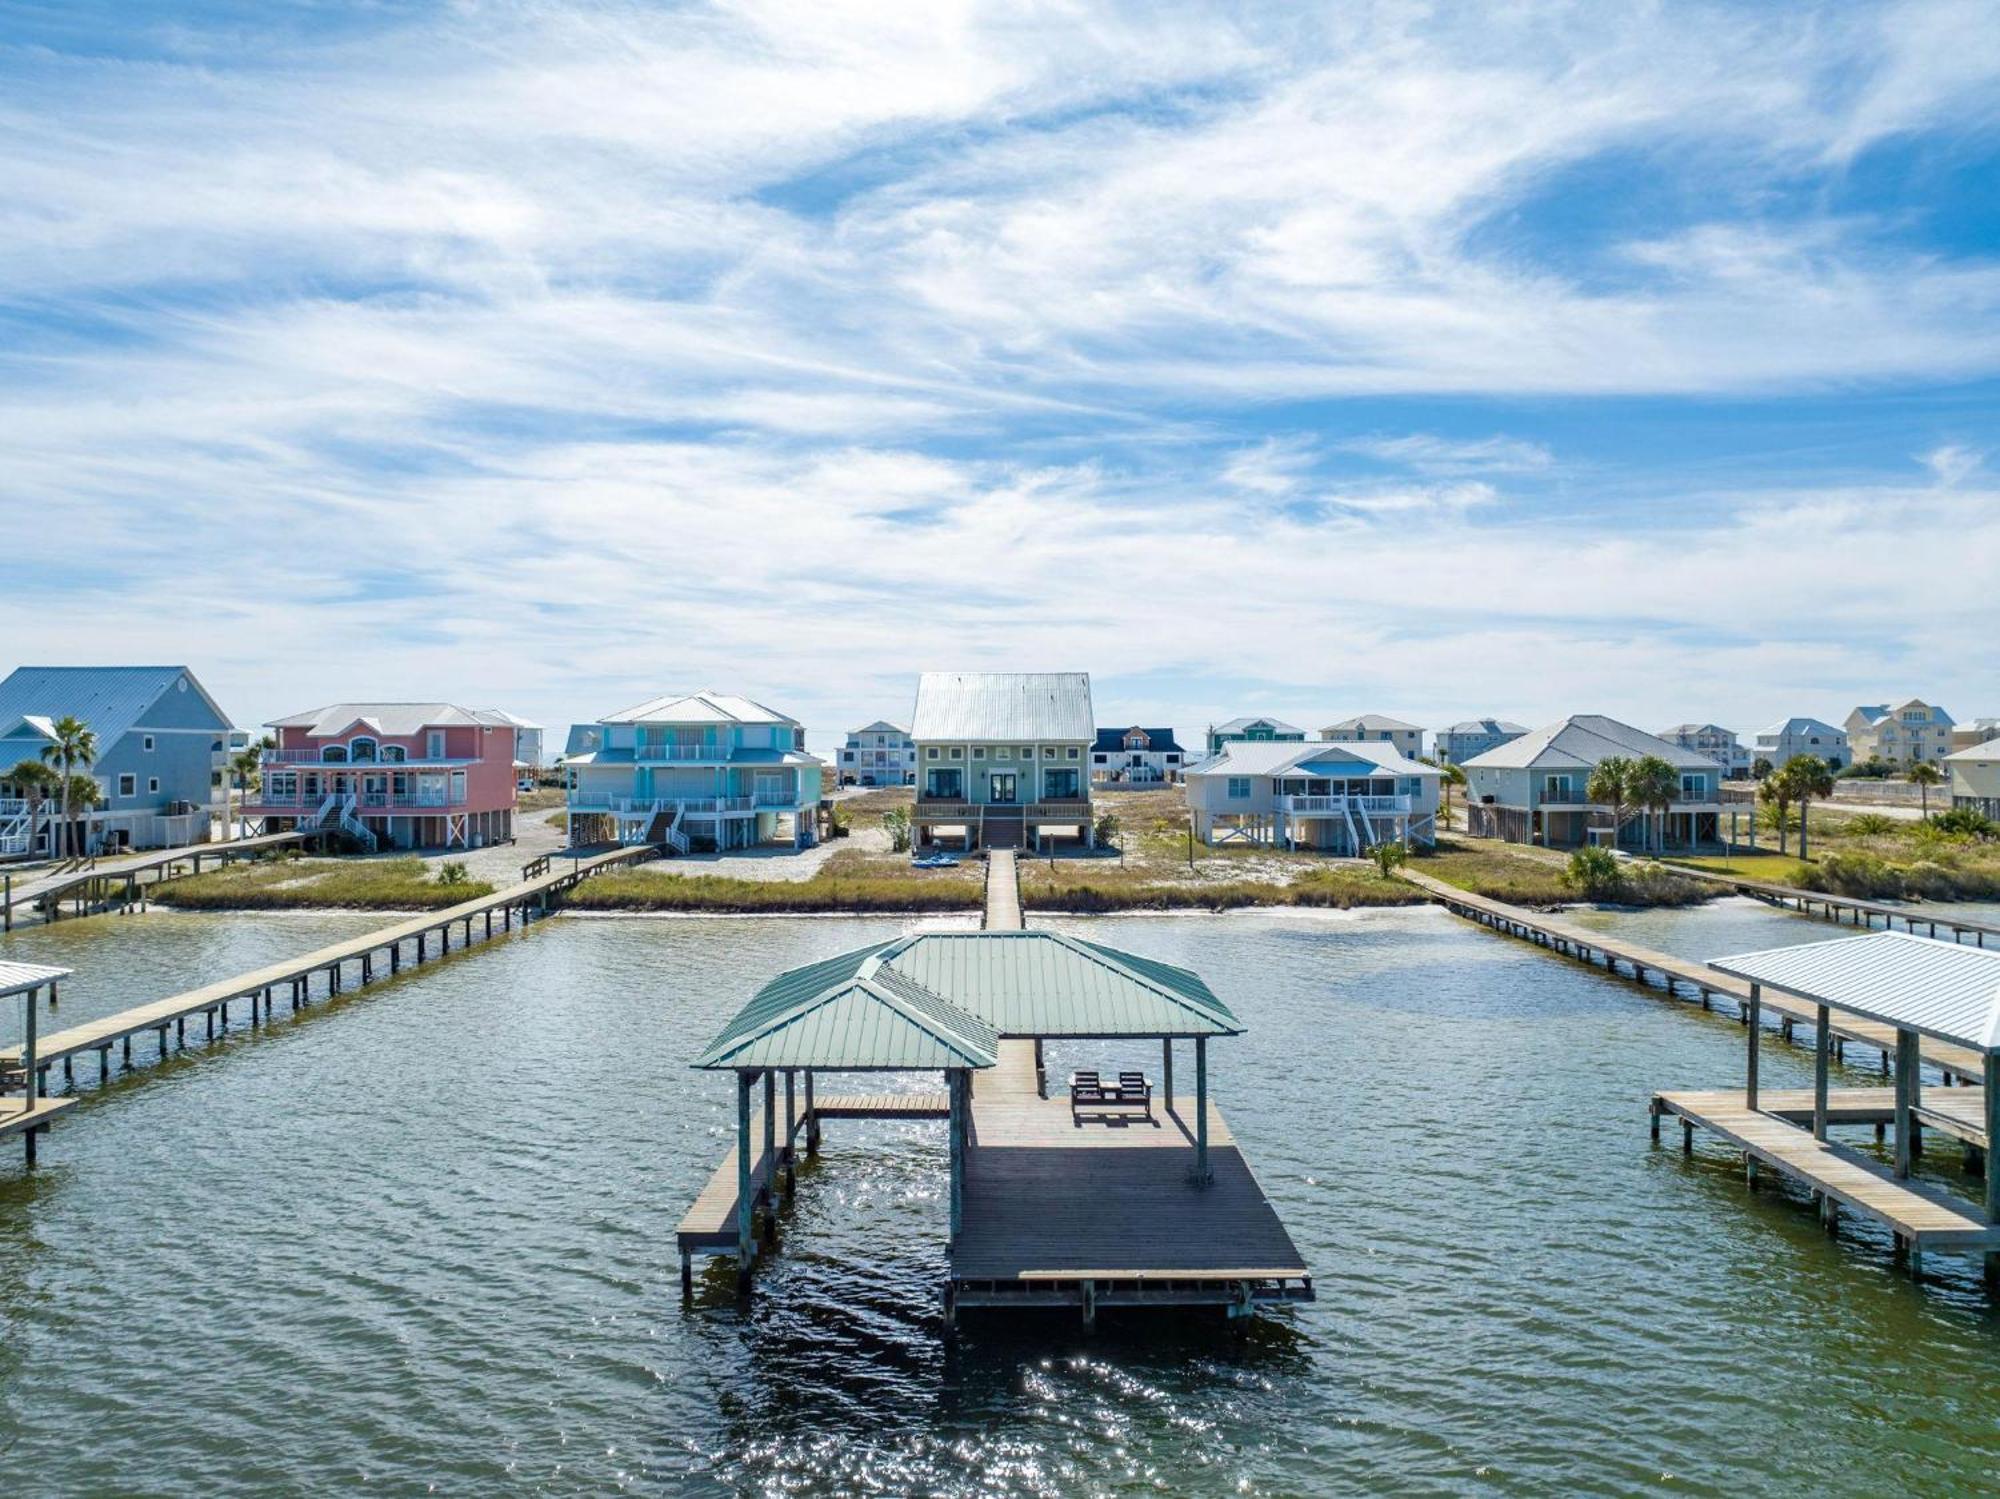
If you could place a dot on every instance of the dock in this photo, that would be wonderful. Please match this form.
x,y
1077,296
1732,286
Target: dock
x,y
1846,910
30,1115
98,886
1653,969
415,940
1144,1201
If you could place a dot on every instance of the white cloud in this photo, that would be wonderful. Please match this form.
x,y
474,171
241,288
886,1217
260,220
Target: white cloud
x,y
1954,463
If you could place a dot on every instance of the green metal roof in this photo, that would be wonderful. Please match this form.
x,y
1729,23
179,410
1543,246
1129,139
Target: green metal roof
x,y
1047,984
861,1025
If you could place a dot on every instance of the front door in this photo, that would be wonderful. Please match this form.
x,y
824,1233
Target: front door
x,y
1003,788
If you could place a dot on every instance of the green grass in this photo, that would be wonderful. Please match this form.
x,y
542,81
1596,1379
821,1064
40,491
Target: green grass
x,y
305,884
656,889
1533,877
1781,869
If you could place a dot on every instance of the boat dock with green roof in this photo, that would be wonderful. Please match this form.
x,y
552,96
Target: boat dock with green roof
x,y
1049,1205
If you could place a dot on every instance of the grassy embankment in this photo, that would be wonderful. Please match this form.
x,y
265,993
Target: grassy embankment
x,y
1873,857
291,883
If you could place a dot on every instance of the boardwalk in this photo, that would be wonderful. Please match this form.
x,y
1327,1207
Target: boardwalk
x,y
121,882
1645,965
1847,909
1003,893
424,936
1957,1112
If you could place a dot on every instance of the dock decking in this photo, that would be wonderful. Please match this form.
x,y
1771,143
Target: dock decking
x,y
1845,909
47,894
1920,1216
294,976
28,1117
1643,963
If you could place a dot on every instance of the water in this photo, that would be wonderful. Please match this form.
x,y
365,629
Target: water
x,y
424,1240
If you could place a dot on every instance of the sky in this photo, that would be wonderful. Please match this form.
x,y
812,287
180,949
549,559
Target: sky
x,y
1436,360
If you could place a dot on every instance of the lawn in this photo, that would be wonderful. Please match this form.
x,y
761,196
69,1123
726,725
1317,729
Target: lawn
x,y
1872,856
291,883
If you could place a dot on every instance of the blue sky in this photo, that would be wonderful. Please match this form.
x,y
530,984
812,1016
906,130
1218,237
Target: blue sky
x,y
1438,360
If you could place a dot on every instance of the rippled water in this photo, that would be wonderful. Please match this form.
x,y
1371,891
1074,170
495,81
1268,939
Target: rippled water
x,y
424,1239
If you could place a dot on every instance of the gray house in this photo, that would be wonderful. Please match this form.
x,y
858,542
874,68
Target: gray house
x,y
1474,736
1336,798
1533,789
162,746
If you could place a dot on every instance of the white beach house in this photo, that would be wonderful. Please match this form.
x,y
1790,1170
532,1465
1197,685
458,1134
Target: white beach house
x,y
1338,798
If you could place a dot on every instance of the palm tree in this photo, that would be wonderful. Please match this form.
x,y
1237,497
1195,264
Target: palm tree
x,y
1450,776
1611,782
36,783
1925,775
1777,792
74,746
1654,784
1809,777
246,774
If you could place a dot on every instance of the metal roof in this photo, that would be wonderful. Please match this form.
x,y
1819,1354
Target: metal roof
x,y
110,699
698,707
1275,725
1583,739
399,719
1262,757
1371,723
1485,726
1004,705
943,999
1940,989
21,978
1787,726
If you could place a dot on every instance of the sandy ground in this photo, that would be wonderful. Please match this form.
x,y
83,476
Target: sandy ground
x,y
775,863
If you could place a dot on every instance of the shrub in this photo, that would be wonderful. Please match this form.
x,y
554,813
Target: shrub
x,y
1851,872
1869,825
1595,873
1964,822
896,823
452,874
1107,829
1388,856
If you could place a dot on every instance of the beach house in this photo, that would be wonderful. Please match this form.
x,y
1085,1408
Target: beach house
x,y
162,749
878,754
1333,797
1253,731
529,753
702,769
1975,778
1136,757
1792,737
1712,739
1474,736
391,775
1978,731
1002,757
1903,733
1533,789
1374,728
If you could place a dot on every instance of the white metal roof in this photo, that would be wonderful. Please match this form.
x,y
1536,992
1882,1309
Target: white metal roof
x,y
1371,723
1261,757
1795,726
1583,739
1004,705
389,718
1941,989
1275,725
1486,726
19,978
698,707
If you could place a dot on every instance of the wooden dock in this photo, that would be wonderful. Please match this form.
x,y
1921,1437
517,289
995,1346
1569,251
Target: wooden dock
x,y
1653,969
1846,910
1003,893
422,937
28,1117
1920,1216
100,886
1957,1112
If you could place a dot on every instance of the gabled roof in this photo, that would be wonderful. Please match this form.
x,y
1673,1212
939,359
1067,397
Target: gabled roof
x,y
1875,712
1580,741
1004,705
1941,989
398,720
942,999
1245,757
698,707
1692,730
1792,727
1977,754
1371,723
881,726
1485,726
110,699
501,715
1158,740
1239,725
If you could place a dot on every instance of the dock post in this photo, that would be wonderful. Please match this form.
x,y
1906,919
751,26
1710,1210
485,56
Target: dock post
x,y
687,1275
30,1054
791,1133
745,1246
1201,1171
812,1117
770,1153
1906,1057
1820,1059
1654,1110
954,1080
1754,1021
1992,1080
1167,1071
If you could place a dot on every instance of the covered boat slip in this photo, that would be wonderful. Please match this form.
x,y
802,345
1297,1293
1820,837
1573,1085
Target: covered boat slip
x,y
1048,1205
27,1113
1922,989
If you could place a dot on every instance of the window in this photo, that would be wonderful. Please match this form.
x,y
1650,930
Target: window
x,y
1003,752
1173,759
434,744
333,754
1694,788
930,752
1073,752
394,754
1100,759
946,785
152,785
128,784
148,742
1555,788
1059,784
361,750
958,752
1239,788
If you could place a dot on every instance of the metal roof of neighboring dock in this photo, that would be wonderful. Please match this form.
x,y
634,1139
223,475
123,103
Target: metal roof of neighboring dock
x,y
1936,988
1004,705
25,978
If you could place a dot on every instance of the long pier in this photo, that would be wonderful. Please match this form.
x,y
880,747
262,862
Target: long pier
x,y
422,936
1846,910
122,884
1645,965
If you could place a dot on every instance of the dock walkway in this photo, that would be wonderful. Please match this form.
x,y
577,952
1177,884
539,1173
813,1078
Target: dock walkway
x,y
1846,909
1644,964
211,1002
126,876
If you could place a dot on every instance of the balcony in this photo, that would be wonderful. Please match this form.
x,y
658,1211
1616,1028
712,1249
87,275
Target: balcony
x,y
940,809
1334,806
681,751
316,757
366,801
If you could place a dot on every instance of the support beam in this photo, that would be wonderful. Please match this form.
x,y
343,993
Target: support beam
x,y
955,1088
1820,1060
745,1243
1753,1018
1202,1174
1906,1058
1167,1071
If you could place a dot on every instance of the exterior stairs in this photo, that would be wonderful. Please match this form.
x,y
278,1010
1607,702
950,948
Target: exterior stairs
x,y
337,811
17,826
665,829
1001,828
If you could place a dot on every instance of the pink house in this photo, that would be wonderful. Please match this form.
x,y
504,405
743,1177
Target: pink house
x,y
392,775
